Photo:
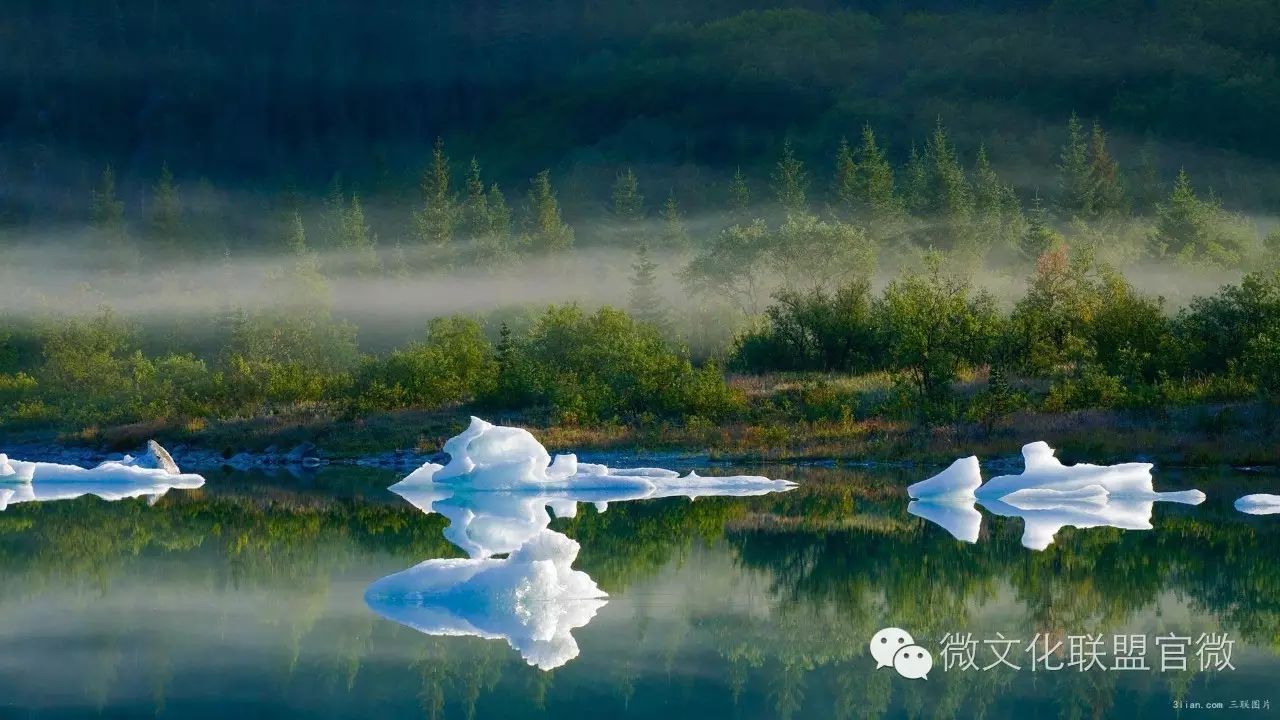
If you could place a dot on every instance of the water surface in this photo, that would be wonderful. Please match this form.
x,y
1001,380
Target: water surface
x,y
246,597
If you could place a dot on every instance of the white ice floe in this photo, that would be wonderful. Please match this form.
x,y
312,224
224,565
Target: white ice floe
x,y
532,599
487,457
153,467
1045,472
958,481
1042,472
1259,504
958,517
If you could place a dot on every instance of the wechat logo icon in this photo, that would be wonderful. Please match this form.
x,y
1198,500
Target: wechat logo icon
x,y
894,647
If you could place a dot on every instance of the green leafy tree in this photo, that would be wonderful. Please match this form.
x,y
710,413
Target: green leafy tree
x,y
810,253
733,267
546,230
933,324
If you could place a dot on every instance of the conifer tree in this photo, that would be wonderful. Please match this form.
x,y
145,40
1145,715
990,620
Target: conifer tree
x,y
547,231
475,208
358,240
646,301
790,181
739,198
166,211
1105,189
917,190
874,179
1040,237
628,203
106,211
675,234
1074,187
437,221
846,189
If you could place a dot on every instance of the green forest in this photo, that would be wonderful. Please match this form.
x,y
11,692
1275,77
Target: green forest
x,y
707,227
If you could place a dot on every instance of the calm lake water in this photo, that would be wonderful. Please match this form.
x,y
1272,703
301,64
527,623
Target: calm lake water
x,y
246,598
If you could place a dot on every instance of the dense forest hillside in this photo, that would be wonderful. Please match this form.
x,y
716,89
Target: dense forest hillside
x,y
257,94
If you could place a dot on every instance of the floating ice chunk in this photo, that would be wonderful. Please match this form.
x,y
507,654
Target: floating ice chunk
x,y
154,467
533,599
958,481
1259,504
487,457
6,469
957,517
1044,471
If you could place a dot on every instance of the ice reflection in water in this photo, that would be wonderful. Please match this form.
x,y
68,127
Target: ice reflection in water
x,y
498,492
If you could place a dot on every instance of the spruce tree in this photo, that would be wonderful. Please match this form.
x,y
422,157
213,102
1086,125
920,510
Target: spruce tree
x,y
358,240
848,195
645,300
739,198
1040,237
106,211
1075,197
166,211
874,179
437,221
546,229
628,203
917,190
1105,189
790,181
475,208
675,234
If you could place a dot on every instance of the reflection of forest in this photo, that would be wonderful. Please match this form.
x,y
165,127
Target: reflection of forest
x,y
744,607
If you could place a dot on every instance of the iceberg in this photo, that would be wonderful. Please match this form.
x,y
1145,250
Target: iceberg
x,y
958,481
959,518
154,466
487,457
532,599
1259,504
1042,472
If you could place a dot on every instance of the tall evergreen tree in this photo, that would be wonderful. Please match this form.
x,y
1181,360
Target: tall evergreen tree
x,y
547,231
475,208
357,240
646,301
848,197
917,190
1039,237
437,221
106,211
166,211
739,198
1075,197
1106,190
628,203
874,179
790,181
1147,190
675,234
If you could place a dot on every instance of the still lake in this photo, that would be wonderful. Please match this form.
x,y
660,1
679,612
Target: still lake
x,y
246,598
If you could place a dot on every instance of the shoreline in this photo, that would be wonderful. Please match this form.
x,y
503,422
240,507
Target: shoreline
x,y
1188,437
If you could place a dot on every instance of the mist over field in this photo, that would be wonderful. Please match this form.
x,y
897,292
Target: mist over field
x,y
621,213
